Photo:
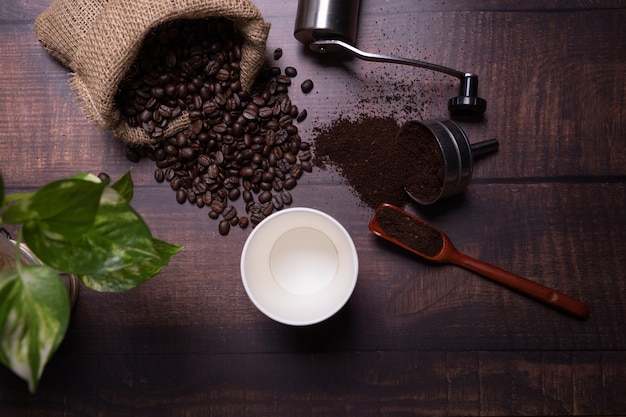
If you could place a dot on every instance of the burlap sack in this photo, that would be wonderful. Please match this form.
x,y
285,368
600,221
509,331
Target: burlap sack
x,y
99,40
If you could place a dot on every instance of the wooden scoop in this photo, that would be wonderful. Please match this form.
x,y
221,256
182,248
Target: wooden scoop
x,y
415,235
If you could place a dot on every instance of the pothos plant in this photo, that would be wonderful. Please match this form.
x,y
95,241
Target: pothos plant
x,y
82,226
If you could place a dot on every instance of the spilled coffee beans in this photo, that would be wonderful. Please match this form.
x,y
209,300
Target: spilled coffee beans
x,y
238,143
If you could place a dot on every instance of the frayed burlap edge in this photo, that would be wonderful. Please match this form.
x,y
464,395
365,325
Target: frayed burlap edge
x,y
114,39
62,27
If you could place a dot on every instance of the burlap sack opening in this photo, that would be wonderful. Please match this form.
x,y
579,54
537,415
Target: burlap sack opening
x,y
100,39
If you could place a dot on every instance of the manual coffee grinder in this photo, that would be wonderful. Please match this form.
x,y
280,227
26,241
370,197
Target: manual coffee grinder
x,y
330,26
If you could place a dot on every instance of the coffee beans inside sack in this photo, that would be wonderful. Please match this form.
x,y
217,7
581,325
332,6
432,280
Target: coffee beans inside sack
x,y
239,144
98,40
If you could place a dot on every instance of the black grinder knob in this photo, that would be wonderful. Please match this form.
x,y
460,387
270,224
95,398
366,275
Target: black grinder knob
x,y
467,103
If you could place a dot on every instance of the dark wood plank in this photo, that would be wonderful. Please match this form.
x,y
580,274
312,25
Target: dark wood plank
x,y
365,383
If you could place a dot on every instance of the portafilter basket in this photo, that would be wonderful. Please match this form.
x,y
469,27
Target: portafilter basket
x,y
457,158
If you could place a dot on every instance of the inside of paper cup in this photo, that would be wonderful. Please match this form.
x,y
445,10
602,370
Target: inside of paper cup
x,y
299,266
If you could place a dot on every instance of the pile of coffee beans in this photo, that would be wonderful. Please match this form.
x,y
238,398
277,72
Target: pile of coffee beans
x,y
240,144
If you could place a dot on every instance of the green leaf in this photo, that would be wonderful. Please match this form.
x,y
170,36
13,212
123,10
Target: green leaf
x,y
117,239
124,186
63,209
34,314
130,277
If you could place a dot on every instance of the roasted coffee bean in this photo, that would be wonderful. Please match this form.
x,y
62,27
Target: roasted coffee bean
x,y
286,197
231,182
267,208
204,160
256,218
213,171
246,172
290,158
291,72
229,212
191,196
219,157
175,183
187,153
224,227
220,194
217,206
265,196
265,112
104,177
199,188
233,194
277,202
238,130
181,196
159,175
171,150
243,222
145,116
265,186
278,53
132,155
253,207
305,155
302,116
277,184
289,183
268,176
296,171
251,111
306,86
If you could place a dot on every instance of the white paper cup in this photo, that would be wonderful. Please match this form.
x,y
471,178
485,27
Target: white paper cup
x,y
299,266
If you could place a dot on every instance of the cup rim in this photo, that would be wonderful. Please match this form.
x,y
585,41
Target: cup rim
x,y
307,309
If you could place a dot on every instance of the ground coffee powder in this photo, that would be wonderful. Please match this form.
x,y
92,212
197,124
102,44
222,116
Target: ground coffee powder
x,y
409,231
426,183
378,162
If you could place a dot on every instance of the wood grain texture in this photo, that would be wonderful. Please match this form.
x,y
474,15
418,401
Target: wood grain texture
x,y
415,338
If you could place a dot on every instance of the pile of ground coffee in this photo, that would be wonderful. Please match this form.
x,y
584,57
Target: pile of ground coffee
x,y
363,151
378,162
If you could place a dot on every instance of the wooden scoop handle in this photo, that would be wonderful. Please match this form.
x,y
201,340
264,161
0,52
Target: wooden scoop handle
x,y
543,294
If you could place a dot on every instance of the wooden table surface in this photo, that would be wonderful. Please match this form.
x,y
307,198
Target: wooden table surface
x,y
415,338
